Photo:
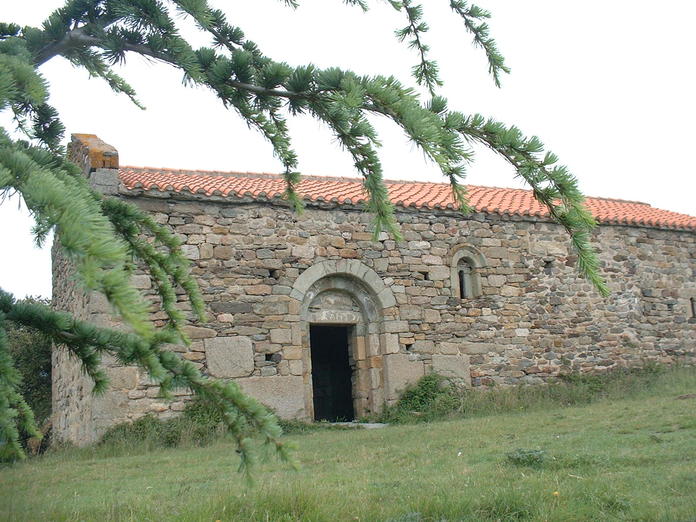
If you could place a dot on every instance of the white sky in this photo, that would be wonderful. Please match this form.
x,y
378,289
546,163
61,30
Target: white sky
x,y
607,86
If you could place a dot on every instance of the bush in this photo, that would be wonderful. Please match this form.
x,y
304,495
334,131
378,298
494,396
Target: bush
x,y
432,397
436,398
198,425
526,457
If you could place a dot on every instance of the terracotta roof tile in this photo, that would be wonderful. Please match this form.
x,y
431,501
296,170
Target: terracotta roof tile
x,y
402,193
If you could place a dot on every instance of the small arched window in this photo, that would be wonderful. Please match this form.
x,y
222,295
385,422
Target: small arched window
x,y
466,280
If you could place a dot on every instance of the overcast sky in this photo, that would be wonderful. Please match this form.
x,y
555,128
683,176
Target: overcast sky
x,y
607,86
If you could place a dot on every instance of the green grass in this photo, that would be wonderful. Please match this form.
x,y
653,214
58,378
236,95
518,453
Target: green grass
x,y
632,458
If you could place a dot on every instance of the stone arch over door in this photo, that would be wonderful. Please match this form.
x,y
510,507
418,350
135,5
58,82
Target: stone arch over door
x,y
347,293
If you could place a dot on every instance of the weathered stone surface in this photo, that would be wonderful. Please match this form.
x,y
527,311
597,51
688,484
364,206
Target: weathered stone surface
x,y
391,343
431,316
303,251
448,348
229,356
141,281
105,181
281,335
423,346
198,332
284,394
438,273
231,307
400,370
123,377
496,280
453,366
474,348
190,252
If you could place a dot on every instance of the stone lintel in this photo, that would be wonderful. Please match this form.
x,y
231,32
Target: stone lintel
x,y
335,317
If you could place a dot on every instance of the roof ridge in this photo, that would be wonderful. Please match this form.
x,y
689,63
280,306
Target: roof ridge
x,y
619,200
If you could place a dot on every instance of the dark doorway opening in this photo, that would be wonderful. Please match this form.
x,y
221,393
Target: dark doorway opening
x,y
331,373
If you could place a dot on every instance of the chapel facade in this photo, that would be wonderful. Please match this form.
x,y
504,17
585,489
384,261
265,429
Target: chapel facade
x,y
318,320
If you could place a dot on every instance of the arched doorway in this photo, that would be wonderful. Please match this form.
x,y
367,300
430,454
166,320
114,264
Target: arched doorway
x,y
341,305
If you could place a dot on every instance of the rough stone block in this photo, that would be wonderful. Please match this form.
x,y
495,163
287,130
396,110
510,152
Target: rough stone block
x,y
231,307
141,281
386,298
431,260
223,252
105,181
259,290
296,367
448,348
281,335
199,332
411,312
431,316
190,252
396,326
205,251
423,346
438,273
229,356
390,342
292,352
478,348
284,394
400,371
418,245
303,251
496,280
122,378
453,367
496,252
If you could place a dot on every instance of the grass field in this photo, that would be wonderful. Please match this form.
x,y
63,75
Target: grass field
x,y
621,459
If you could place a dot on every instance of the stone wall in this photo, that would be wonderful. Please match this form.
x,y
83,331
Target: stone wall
x,y
267,273
535,317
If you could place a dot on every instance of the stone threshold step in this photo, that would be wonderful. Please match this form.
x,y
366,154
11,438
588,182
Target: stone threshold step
x,y
360,425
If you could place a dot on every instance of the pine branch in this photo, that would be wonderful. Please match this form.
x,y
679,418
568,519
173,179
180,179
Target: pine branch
x,y
426,72
549,184
88,342
482,38
15,414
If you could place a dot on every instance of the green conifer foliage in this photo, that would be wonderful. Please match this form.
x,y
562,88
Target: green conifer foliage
x,y
104,237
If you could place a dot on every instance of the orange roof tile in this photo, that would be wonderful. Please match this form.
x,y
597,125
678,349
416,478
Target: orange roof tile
x,y
402,193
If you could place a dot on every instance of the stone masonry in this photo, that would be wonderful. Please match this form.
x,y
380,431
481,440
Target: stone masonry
x,y
267,274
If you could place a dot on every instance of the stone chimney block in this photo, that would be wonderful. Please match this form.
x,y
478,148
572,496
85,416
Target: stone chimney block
x,y
98,160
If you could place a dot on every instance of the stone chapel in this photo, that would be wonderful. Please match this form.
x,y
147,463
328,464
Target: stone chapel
x,y
317,320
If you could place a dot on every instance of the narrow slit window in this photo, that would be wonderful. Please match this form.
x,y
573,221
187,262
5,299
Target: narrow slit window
x,y
465,284
693,307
